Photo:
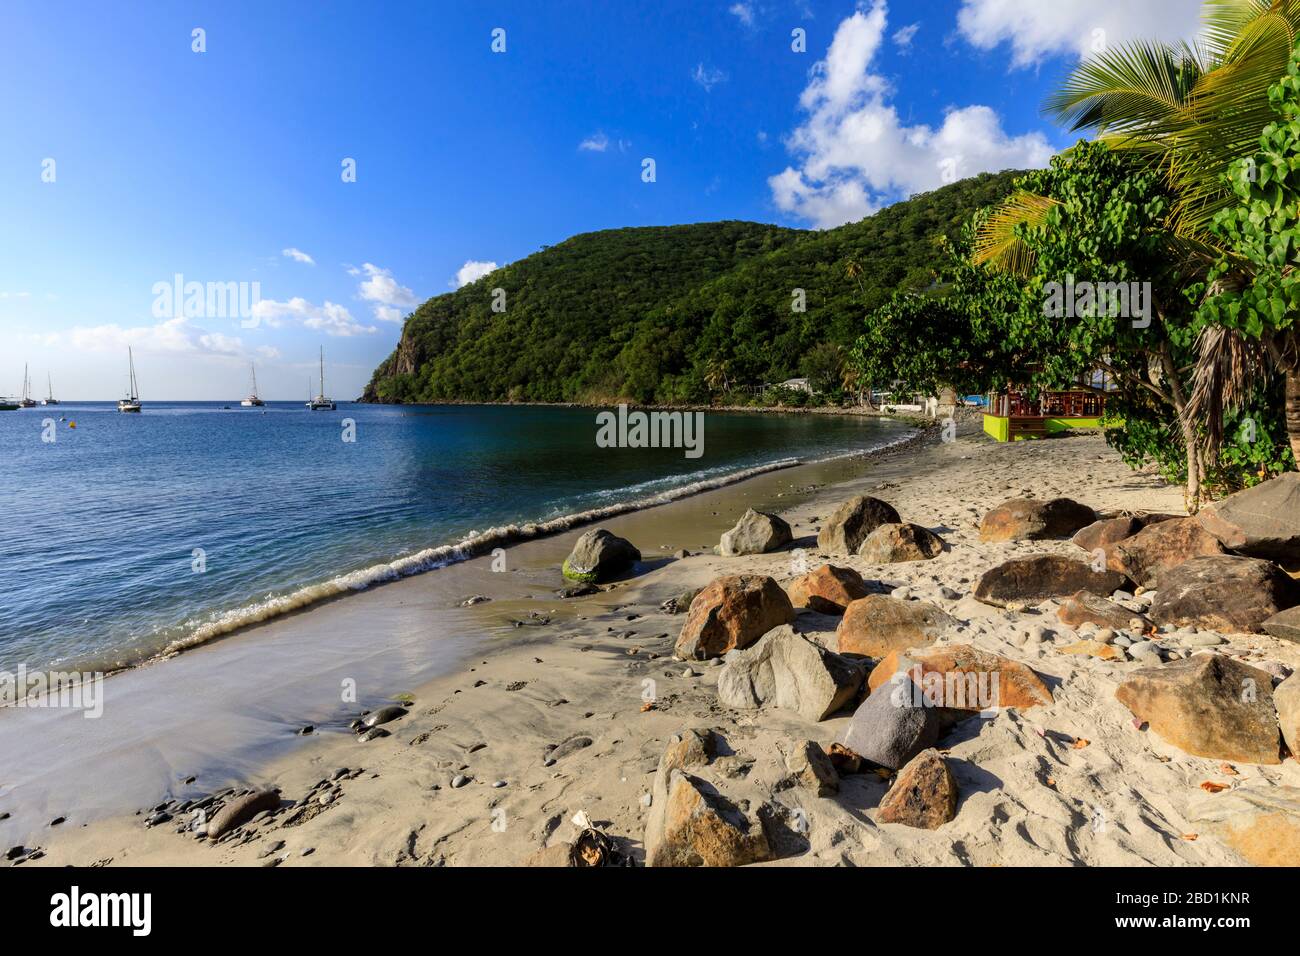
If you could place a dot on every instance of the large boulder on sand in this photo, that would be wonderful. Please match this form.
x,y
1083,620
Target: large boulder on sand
x,y
1104,532
849,524
962,678
1040,577
1284,625
702,828
733,611
1223,593
889,728
1029,519
1261,823
1084,607
1158,548
1262,522
876,625
757,532
239,810
1207,705
827,590
599,555
693,747
892,543
1286,698
924,794
786,670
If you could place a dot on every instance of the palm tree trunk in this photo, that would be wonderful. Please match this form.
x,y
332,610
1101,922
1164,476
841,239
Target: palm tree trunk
x,y
1292,407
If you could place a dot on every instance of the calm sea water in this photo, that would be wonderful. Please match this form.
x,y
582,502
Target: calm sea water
x,y
100,527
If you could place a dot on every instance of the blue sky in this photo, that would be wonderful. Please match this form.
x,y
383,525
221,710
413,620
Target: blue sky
x,y
225,166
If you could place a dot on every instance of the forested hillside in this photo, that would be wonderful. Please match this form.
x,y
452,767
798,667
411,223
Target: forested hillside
x,y
670,314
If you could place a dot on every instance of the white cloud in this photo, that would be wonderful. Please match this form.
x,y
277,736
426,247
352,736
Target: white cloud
x,y
903,36
472,271
855,154
330,318
596,143
744,12
172,336
1039,28
15,295
297,255
708,76
388,296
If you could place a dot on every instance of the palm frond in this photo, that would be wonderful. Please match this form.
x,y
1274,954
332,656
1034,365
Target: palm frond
x,y
1230,367
1133,86
996,243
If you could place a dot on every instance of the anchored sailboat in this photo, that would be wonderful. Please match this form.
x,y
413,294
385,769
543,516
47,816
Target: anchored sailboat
x,y
132,401
320,402
49,397
27,401
253,401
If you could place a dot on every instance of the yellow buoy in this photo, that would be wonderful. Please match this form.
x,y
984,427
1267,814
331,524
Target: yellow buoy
x,y
72,424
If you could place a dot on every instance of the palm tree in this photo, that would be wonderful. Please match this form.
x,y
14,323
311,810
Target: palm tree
x,y
1189,111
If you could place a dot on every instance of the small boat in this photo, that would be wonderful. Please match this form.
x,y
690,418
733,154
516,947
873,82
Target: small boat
x,y
132,401
320,403
253,401
26,401
8,405
49,398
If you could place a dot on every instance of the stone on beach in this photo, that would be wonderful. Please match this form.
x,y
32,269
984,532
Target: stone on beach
x,y
599,555
1106,531
1286,698
383,715
702,828
732,612
757,532
827,590
924,794
849,524
1085,607
1207,705
1261,522
889,728
876,625
893,543
1159,547
1029,519
786,670
1040,577
240,810
1261,824
1284,625
1223,593
965,678
810,767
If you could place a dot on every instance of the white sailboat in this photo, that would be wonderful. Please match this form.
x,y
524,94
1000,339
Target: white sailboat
x,y
132,401
320,402
253,401
49,396
27,401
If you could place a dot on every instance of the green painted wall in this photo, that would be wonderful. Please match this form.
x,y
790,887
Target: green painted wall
x,y
999,428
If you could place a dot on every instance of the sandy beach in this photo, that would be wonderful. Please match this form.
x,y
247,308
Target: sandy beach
x,y
466,777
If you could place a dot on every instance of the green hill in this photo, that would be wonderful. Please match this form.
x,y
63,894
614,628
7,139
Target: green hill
x,y
657,314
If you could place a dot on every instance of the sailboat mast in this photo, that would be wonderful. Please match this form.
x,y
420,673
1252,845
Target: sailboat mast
x,y
322,370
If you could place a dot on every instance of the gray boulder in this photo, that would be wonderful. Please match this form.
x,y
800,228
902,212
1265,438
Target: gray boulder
x,y
757,532
889,728
789,671
599,555
1261,522
1224,593
850,523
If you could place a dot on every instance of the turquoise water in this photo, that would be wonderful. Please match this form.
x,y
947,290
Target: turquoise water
x,y
100,527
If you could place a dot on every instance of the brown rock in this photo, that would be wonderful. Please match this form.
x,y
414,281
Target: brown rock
x,y
1207,705
1106,531
1262,522
850,523
875,625
892,543
924,794
828,589
1084,607
733,611
1105,652
811,768
1158,547
240,810
692,747
1029,519
1284,625
967,678
701,828
1224,593
1286,698
1263,825
1040,577
844,760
